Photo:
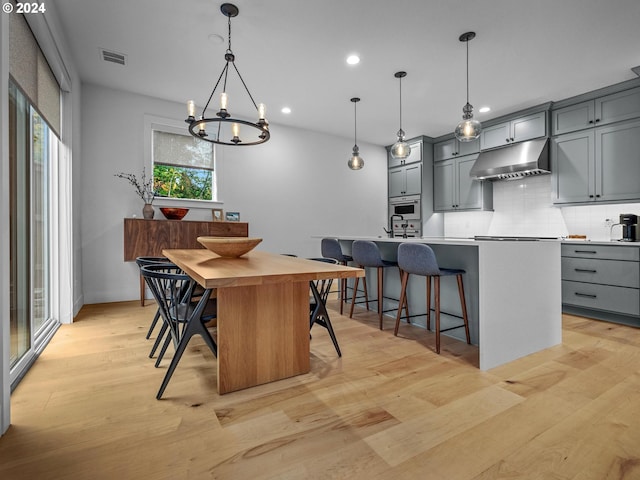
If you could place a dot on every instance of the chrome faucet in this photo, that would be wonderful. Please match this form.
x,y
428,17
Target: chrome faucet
x,y
390,231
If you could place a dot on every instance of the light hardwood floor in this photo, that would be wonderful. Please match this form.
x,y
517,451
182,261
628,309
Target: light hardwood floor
x,y
389,409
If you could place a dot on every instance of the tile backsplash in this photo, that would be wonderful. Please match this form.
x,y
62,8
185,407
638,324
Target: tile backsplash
x,y
524,208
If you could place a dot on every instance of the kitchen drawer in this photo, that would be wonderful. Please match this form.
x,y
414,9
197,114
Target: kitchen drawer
x,y
606,272
601,297
611,252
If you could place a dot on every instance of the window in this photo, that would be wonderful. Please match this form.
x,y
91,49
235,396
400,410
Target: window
x,y
182,165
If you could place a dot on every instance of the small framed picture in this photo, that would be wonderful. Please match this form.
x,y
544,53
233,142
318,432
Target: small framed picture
x,y
218,214
232,217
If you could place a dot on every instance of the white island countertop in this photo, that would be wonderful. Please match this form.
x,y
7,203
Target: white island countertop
x,y
513,290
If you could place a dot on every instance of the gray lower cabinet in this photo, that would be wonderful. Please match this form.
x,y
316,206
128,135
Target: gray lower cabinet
x,y
597,165
405,180
516,130
604,110
454,189
602,281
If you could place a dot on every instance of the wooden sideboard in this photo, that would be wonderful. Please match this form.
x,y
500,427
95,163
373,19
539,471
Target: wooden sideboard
x,y
147,238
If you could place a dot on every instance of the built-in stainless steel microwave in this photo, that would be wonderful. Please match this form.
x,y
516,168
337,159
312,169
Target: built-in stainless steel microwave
x,y
407,206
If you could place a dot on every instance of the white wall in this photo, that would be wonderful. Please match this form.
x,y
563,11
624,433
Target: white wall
x,y
293,187
524,208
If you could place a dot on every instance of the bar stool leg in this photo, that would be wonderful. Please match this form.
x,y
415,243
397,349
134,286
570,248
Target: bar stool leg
x,y
436,280
353,297
406,304
343,293
428,278
141,290
403,298
463,304
366,294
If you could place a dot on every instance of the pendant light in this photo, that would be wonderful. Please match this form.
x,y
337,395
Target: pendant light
x,y
242,132
401,149
468,129
355,162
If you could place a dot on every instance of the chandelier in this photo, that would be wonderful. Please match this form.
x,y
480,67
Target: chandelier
x,y
212,128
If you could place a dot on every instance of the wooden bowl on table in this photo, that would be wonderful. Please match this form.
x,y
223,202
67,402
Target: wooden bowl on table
x,y
229,247
174,213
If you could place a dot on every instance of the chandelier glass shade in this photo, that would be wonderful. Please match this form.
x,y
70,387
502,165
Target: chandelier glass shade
x,y
223,128
401,149
468,129
355,162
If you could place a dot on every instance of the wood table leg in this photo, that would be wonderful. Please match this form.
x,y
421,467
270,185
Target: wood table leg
x,y
263,334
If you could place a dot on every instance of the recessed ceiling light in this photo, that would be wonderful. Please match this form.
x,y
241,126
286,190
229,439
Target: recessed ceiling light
x,y
353,59
286,110
484,109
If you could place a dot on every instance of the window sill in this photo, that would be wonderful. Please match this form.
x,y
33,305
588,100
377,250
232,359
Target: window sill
x,y
186,203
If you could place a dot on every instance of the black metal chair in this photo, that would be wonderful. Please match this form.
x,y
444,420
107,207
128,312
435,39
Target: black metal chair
x,y
318,305
174,292
141,262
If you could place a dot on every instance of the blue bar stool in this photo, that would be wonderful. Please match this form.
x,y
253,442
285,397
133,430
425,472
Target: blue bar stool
x,y
330,248
419,259
367,254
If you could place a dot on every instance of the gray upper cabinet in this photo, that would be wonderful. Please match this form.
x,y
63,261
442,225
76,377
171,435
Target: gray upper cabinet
x,y
597,165
605,110
574,117
414,156
516,130
454,148
405,180
454,189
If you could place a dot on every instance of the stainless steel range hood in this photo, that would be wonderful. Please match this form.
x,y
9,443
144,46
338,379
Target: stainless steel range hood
x,y
513,162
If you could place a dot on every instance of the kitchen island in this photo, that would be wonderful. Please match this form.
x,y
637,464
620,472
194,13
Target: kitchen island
x,y
512,288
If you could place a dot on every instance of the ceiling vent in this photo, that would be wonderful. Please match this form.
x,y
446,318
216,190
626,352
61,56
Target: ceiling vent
x,y
113,57
636,70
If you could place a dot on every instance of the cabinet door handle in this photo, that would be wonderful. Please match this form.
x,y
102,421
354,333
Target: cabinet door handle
x,y
597,120
585,251
512,139
506,140
590,196
578,294
598,196
590,122
585,270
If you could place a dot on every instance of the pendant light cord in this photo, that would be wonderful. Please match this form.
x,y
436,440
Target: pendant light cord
x,y
355,123
467,42
400,103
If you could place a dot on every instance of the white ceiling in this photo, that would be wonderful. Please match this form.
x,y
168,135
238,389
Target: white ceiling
x,y
292,52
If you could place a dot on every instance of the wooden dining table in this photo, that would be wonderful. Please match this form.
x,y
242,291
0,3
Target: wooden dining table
x,y
263,311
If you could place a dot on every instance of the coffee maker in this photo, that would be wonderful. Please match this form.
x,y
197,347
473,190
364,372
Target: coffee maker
x,y
630,231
